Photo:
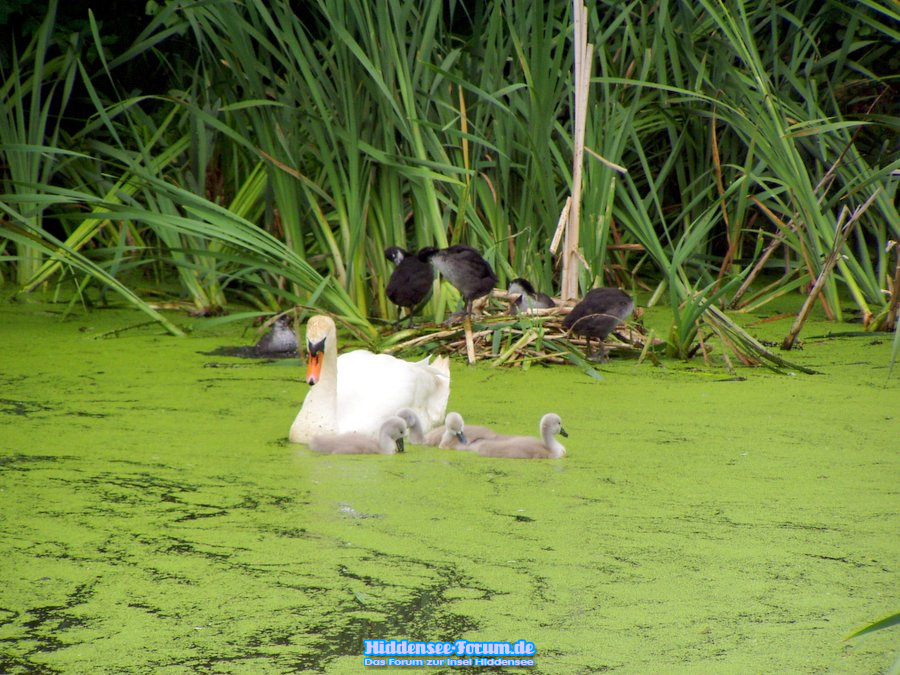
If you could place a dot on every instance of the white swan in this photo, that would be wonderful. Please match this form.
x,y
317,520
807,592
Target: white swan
x,y
389,442
360,390
526,447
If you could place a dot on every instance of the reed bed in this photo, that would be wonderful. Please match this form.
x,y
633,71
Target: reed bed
x,y
500,338
283,151
505,339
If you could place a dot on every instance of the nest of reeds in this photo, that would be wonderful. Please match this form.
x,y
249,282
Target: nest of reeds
x,y
497,335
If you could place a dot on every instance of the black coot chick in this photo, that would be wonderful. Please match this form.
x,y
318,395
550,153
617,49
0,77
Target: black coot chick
x,y
598,313
280,339
464,267
528,297
411,283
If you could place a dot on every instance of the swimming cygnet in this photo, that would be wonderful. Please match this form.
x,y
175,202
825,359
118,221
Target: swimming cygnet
x,y
526,447
414,424
455,435
390,441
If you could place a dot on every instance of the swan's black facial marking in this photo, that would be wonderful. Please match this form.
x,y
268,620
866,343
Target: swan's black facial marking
x,y
316,351
314,348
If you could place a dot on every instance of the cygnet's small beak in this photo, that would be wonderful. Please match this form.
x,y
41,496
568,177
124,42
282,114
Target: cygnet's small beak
x,y
401,445
563,432
462,438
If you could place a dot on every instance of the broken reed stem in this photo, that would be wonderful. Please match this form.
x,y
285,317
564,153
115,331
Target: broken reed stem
x,y
583,55
840,236
702,344
747,344
470,343
561,226
600,158
890,321
842,231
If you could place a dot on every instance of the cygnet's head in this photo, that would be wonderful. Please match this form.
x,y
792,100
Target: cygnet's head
x,y
395,429
552,424
455,425
413,423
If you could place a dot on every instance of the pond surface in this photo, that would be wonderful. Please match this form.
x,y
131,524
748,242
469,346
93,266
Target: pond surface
x,y
155,520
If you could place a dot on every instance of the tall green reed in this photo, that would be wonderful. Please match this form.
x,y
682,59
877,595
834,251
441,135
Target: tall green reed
x,y
33,100
358,125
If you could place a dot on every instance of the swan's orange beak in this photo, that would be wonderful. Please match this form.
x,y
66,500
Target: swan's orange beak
x,y
315,355
313,367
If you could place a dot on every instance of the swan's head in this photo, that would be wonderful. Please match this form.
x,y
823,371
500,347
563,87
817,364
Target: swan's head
x,y
395,254
552,425
320,331
455,425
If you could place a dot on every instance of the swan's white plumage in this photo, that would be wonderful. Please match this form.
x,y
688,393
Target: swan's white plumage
x,y
358,391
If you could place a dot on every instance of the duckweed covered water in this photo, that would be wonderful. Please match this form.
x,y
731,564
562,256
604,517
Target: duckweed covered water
x,y
154,519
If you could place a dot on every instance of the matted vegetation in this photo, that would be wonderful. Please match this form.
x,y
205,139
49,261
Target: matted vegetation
x,y
282,152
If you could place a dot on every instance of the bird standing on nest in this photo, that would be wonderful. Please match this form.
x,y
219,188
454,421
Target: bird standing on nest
x,y
528,297
410,284
598,313
465,269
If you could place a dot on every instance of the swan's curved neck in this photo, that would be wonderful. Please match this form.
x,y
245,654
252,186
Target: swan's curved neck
x,y
323,394
386,442
319,412
556,448
329,362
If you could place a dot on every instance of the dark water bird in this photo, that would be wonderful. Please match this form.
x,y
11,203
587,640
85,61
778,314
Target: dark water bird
x,y
389,441
279,340
411,282
528,297
463,267
526,447
455,435
598,313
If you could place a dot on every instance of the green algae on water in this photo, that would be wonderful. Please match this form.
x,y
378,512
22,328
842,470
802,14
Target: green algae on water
x,y
154,519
